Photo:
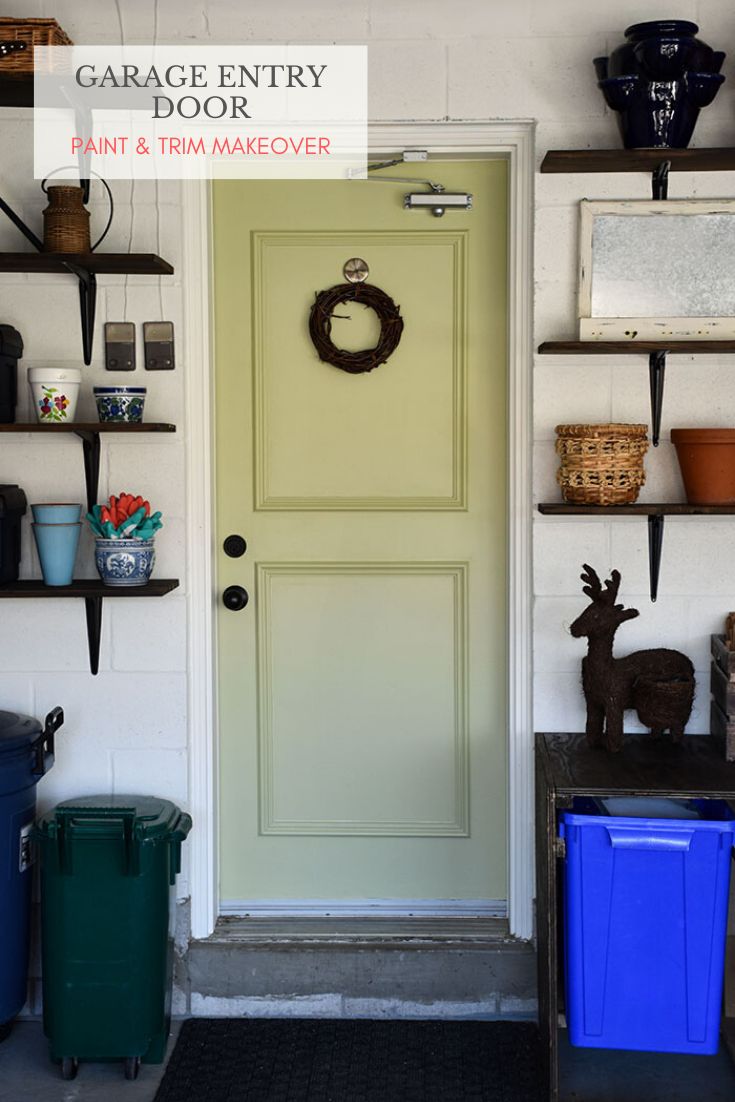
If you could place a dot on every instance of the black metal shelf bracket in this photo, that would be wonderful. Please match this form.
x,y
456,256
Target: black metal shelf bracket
x,y
655,545
93,610
91,446
656,373
660,180
87,280
87,306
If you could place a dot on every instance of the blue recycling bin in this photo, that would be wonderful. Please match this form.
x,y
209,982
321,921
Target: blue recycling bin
x,y
26,753
646,886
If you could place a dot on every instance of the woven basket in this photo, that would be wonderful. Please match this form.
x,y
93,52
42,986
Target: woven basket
x,y
663,703
66,221
601,464
32,32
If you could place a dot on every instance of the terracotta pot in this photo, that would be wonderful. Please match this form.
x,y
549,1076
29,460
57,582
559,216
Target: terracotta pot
x,y
707,461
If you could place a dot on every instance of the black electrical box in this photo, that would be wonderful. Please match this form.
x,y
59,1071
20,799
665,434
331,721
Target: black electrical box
x,y
11,349
12,507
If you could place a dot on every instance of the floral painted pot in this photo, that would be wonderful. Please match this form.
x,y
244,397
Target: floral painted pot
x,y
120,403
124,562
54,393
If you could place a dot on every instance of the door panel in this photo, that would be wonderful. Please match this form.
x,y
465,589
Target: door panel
x,y
370,455
372,735
362,690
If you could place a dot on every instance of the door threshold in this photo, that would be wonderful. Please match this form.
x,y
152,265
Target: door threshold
x,y
369,932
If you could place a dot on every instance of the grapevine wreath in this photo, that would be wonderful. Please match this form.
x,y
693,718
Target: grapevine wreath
x,y
320,326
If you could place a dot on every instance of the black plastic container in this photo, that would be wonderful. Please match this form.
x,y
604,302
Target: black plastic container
x,y
12,507
11,349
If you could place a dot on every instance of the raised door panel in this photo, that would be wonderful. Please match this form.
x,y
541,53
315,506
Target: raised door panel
x,y
393,438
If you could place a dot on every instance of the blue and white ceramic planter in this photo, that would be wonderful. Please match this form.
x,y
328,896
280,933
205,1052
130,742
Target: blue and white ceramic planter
x,y
120,403
124,562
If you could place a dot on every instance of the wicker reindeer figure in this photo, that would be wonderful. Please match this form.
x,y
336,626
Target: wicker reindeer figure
x,y
659,684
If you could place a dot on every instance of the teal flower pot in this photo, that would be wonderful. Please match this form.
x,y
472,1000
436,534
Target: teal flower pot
x,y
56,513
57,551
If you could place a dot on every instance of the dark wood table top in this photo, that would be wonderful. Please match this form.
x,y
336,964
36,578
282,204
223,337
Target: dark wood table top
x,y
645,766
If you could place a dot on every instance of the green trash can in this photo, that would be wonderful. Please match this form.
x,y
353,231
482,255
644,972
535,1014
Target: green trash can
x,y
108,865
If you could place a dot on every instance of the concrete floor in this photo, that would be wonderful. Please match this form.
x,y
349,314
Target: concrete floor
x,y
588,1075
27,1074
598,1075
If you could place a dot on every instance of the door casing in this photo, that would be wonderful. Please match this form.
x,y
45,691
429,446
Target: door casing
x,y
515,141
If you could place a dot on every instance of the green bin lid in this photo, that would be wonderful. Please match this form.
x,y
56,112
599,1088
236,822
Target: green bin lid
x,y
154,817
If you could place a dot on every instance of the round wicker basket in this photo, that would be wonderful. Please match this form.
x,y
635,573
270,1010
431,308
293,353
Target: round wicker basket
x,y
601,464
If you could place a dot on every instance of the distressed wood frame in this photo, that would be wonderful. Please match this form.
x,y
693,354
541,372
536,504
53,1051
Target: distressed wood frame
x,y
643,328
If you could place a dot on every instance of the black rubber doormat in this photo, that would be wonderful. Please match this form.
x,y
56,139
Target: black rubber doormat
x,y
305,1060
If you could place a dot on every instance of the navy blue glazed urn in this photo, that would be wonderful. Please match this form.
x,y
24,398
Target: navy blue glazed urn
x,y
658,81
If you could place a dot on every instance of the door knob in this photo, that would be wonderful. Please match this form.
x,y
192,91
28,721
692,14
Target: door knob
x,y
235,598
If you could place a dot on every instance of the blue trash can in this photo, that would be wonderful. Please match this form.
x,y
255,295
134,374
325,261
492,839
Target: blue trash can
x,y
26,753
646,886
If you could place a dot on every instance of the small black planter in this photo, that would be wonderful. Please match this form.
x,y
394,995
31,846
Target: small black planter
x,y
658,81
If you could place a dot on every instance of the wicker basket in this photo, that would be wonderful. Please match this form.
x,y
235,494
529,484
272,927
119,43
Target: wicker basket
x,y
663,704
32,32
66,221
601,464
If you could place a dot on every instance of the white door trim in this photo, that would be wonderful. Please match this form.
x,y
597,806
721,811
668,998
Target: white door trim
x,y
514,140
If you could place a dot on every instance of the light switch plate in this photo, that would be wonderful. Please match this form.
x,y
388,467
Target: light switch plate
x,y
158,338
119,346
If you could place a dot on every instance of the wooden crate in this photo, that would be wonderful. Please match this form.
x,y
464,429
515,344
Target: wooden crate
x,y
722,687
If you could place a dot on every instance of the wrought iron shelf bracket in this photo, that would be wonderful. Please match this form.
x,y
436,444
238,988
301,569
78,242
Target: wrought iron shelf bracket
x,y
91,447
93,592
660,180
93,613
655,514
655,547
656,373
83,266
657,352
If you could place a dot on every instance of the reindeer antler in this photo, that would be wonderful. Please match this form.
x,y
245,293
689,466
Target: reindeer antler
x,y
594,589
612,585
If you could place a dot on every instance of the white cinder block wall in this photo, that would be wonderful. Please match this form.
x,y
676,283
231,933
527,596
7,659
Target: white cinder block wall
x,y
472,59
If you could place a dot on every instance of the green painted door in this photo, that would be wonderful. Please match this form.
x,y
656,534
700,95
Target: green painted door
x,y
362,690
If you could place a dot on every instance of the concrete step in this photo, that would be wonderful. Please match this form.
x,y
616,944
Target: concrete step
x,y
418,968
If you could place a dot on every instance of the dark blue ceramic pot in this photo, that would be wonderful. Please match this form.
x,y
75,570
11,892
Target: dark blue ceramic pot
x,y
658,81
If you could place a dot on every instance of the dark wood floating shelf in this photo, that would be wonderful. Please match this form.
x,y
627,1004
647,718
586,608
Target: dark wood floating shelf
x,y
638,509
639,160
93,592
88,588
654,511
93,263
94,427
633,348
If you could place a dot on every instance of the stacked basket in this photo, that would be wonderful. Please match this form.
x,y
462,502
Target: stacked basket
x,y
601,464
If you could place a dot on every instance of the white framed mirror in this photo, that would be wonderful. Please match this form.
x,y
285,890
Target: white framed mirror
x,y
651,270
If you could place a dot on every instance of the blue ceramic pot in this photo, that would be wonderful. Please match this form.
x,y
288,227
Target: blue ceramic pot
x,y
120,403
124,562
658,81
57,551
